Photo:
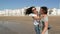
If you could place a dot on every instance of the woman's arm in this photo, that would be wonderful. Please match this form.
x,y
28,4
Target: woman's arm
x,y
37,17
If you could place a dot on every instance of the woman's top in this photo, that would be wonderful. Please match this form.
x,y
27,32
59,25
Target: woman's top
x,y
36,22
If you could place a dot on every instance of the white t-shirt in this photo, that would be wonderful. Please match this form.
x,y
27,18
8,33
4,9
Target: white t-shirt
x,y
45,18
36,22
42,21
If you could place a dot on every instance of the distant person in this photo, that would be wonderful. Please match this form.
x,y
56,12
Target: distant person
x,y
44,20
32,12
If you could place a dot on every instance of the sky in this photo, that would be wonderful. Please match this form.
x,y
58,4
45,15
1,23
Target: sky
x,y
15,4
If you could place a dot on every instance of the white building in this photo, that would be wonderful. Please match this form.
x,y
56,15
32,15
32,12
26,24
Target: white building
x,y
58,11
52,11
21,12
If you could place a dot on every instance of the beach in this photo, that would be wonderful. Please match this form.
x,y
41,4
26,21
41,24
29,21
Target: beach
x,y
24,25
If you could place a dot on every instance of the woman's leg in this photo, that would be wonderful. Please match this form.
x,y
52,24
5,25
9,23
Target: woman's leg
x,y
37,29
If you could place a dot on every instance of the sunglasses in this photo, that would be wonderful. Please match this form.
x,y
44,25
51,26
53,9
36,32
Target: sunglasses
x,y
34,9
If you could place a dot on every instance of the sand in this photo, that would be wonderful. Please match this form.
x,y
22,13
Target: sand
x,y
24,25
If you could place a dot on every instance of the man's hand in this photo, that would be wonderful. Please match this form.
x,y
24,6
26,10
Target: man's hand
x,y
43,33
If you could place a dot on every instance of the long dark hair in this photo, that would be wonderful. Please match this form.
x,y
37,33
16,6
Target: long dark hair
x,y
29,10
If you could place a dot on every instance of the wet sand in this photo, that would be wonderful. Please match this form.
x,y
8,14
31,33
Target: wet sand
x,y
24,25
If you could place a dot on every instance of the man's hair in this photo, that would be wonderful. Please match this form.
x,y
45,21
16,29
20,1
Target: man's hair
x,y
45,9
29,10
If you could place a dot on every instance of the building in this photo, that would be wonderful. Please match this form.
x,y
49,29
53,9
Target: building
x,y
58,11
21,12
52,11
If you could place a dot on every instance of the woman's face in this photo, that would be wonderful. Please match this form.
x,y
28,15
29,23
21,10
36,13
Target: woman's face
x,y
34,10
41,11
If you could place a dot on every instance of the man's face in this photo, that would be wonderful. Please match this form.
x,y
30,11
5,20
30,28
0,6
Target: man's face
x,y
41,11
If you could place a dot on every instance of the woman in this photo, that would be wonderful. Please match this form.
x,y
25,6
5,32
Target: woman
x,y
32,12
44,20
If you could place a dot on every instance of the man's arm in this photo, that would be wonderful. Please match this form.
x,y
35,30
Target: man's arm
x,y
46,25
45,28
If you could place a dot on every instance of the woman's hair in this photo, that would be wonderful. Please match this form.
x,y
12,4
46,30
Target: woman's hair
x,y
29,10
45,9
